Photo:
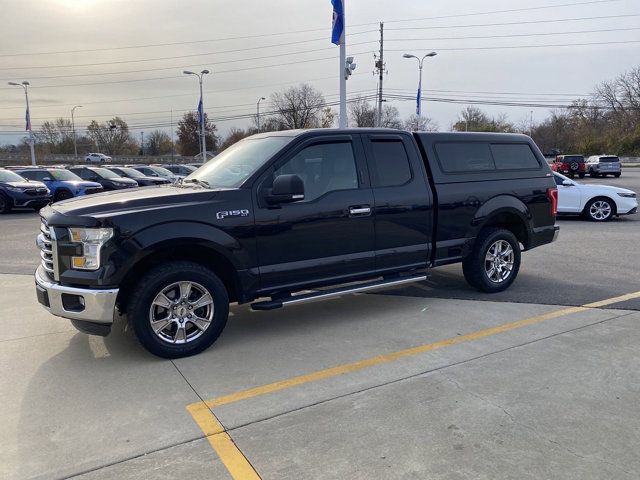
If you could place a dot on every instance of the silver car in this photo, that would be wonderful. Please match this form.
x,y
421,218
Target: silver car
x,y
603,165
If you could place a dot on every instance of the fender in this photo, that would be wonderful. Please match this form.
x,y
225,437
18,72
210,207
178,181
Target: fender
x,y
502,204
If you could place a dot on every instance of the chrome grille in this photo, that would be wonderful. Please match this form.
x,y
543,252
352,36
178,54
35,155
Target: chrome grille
x,y
46,244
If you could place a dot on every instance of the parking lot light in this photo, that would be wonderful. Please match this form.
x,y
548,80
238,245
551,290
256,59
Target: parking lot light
x,y
25,86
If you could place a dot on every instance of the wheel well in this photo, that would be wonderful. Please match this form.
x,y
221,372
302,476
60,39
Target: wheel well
x,y
603,197
62,189
206,257
511,222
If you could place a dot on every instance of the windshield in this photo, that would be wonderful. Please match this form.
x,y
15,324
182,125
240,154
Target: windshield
x,y
104,173
7,176
161,171
64,175
131,172
238,162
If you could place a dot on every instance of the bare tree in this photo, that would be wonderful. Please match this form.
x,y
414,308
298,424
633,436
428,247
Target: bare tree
x,y
189,141
391,118
111,137
362,113
472,119
421,124
158,143
298,107
56,136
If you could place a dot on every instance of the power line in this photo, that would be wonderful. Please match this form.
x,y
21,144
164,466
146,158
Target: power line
x,y
514,35
511,47
528,22
211,40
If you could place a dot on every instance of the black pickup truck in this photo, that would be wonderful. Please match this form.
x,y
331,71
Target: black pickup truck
x,y
326,211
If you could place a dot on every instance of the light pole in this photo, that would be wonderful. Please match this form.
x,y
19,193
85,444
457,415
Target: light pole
x,y
25,86
200,110
419,97
73,127
258,113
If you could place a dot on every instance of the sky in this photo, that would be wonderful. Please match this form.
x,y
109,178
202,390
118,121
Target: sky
x,y
126,57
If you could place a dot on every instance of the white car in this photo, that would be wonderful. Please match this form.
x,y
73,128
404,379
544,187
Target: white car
x,y
97,158
598,203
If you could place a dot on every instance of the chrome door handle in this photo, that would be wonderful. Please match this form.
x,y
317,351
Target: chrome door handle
x,y
359,211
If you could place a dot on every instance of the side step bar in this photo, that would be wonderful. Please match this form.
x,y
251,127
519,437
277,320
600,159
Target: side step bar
x,y
336,292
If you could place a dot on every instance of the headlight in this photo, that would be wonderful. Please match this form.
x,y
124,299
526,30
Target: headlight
x,y
627,195
92,240
15,189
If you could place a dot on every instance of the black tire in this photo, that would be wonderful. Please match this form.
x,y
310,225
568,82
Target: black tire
x,y
5,204
139,309
604,209
474,266
617,175
593,174
581,175
62,195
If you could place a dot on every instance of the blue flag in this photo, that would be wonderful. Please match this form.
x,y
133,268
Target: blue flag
x,y
419,101
337,29
200,112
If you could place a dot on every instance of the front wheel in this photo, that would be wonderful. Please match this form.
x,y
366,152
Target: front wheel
x,y
581,175
617,175
494,262
600,210
178,309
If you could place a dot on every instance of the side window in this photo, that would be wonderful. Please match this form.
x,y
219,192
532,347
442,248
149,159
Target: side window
x,y
514,156
459,157
323,168
391,164
82,173
558,179
28,175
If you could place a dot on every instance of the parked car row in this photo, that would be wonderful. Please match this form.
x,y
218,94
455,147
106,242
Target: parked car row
x,y
595,166
35,187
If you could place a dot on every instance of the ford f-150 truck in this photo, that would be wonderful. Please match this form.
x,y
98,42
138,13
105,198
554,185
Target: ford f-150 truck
x,y
287,217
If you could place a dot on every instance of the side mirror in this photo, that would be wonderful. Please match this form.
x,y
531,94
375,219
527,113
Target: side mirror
x,y
286,189
567,183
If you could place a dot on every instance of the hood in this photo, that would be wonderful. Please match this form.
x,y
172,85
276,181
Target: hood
x,y
82,183
609,188
25,184
122,180
107,204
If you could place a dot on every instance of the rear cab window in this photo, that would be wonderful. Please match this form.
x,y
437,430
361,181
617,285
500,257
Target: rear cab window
x,y
469,157
609,159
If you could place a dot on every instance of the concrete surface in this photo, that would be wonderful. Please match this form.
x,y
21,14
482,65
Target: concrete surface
x,y
104,408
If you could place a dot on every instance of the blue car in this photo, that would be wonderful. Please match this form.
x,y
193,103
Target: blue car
x,y
62,183
17,192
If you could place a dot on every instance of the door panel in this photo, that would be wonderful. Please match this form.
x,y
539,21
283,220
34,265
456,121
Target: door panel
x,y
403,210
568,199
327,236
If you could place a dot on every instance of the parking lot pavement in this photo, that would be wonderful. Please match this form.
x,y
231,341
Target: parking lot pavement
x,y
439,388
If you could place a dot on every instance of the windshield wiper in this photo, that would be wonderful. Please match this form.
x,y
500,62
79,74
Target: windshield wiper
x,y
202,183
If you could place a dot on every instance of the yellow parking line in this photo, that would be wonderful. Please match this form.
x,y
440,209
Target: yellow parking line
x,y
237,464
610,301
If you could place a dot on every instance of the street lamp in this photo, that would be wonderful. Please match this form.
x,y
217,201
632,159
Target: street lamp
x,y
73,128
258,112
25,86
200,110
419,97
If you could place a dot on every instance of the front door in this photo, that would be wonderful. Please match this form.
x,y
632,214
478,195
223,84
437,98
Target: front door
x,y
329,235
569,196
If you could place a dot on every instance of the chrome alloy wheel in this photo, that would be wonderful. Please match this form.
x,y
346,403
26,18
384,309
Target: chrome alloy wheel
x,y
181,312
498,262
600,210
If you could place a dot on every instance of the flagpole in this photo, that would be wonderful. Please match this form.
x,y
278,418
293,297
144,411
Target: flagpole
x,y
343,76
31,140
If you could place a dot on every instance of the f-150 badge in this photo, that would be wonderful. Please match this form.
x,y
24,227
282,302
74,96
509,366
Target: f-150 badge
x,y
232,213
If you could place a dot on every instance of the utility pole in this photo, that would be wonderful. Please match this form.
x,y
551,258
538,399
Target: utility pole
x,y
258,113
380,67
142,142
73,128
172,144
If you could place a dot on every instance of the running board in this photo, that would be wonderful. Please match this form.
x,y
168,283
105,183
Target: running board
x,y
336,292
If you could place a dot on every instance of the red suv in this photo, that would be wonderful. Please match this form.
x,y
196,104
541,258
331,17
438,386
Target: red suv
x,y
570,165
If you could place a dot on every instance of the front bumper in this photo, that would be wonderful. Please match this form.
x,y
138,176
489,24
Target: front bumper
x,y
24,201
89,305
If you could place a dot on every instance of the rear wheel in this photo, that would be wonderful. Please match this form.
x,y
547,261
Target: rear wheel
x,y
5,204
600,209
617,175
178,309
62,195
495,261
592,174
581,175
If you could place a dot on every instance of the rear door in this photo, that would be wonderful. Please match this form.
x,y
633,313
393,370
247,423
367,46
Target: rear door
x,y
403,211
327,236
